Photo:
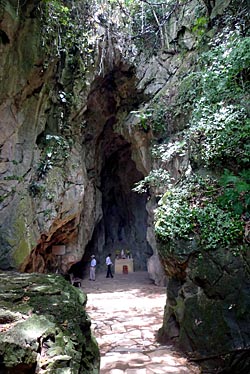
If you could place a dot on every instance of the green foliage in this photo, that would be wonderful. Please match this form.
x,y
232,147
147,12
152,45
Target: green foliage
x,y
14,177
226,69
3,197
215,99
36,189
190,209
166,151
66,28
153,117
156,178
56,18
55,153
63,345
220,123
218,96
220,133
174,218
200,26
218,228
188,92
144,117
236,192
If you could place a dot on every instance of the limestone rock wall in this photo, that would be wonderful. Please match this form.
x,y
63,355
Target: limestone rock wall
x,y
208,299
44,183
73,145
207,291
60,129
57,131
50,175
21,76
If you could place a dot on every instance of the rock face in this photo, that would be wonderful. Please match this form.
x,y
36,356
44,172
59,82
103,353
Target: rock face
x,y
67,165
73,148
44,327
75,140
208,301
36,199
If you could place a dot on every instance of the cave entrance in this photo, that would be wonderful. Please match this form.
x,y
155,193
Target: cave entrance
x,y
122,225
124,222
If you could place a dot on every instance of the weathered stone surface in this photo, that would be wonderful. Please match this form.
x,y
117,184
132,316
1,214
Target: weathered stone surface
x,y
208,301
80,203
65,206
220,6
31,205
155,270
44,326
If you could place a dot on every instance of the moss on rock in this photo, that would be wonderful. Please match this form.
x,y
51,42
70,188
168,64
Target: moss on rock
x,y
44,325
206,312
21,237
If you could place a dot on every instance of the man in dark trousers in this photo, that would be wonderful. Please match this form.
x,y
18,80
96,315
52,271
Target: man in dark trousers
x,y
109,263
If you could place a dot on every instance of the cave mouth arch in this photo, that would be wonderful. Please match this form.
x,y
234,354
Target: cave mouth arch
x,y
124,221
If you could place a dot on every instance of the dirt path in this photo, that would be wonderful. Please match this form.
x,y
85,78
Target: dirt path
x,y
126,313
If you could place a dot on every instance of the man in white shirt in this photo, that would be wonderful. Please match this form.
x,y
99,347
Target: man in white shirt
x,y
109,263
92,268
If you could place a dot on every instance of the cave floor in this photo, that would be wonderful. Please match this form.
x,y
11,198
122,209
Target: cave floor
x,y
126,313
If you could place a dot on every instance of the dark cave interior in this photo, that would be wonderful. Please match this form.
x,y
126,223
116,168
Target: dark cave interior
x,y
124,222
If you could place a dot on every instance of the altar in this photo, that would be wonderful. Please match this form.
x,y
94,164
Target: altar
x,y
124,265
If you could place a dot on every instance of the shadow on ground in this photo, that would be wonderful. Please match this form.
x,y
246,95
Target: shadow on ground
x,y
126,312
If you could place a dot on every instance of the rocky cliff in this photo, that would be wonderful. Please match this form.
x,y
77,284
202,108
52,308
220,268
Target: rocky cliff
x,y
67,163
72,145
100,100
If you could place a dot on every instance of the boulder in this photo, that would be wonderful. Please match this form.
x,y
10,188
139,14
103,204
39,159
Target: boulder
x,y
44,326
207,307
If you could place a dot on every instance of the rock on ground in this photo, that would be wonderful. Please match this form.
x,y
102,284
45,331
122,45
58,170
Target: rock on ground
x,y
44,327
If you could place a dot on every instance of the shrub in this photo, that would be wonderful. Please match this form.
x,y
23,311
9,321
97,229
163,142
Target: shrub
x,y
190,208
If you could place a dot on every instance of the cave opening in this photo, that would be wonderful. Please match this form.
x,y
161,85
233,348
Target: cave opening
x,y
124,221
122,224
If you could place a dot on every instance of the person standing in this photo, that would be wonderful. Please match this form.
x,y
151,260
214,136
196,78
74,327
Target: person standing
x,y
92,268
109,264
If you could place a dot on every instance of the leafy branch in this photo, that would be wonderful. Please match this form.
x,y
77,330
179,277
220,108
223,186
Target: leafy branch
x,y
190,208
